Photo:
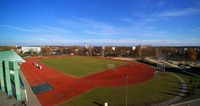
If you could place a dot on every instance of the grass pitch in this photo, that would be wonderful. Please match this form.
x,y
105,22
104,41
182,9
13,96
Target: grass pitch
x,y
80,66
142,94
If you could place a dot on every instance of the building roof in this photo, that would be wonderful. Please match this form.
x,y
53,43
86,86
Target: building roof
x,y
10,56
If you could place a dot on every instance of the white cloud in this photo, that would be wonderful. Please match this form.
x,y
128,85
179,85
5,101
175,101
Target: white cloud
x,y
22,29
127,20
155,34
196,29
86,27
91,27
179,12
104,42
44,29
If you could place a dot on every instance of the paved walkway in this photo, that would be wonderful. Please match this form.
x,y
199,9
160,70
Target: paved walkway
x,y
8,101
31,97
189,72
177,98
195,102
172,65
11,101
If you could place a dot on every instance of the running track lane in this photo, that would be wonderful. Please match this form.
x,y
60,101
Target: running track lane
x,y
66,87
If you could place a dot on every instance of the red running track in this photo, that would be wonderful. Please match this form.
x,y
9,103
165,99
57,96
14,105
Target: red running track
x,y
65,87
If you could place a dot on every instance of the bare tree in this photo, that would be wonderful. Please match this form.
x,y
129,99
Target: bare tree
x,y
192,55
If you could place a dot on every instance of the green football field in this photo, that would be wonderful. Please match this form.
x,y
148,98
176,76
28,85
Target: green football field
x,y
143,94
80,66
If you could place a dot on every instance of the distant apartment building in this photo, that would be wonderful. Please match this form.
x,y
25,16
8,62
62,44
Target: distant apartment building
x,y
31,49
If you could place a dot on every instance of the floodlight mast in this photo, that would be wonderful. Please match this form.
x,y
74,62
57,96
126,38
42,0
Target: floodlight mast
x,y
103,51
126,78
126,89
164,67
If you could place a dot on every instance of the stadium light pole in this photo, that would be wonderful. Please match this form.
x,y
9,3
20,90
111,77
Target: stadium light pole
x,y
103,51
157,63
126,78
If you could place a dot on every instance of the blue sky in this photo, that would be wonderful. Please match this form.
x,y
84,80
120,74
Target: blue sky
x,y
100,22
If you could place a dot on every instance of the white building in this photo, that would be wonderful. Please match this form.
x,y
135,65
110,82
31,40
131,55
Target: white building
x,y
33,49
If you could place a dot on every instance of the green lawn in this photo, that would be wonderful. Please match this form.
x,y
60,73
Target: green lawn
x,y
146,93
80,66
